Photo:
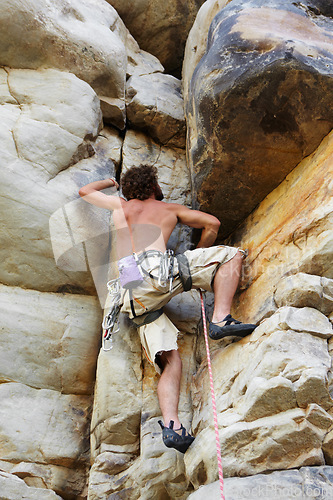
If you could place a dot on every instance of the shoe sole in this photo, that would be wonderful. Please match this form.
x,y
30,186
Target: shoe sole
x,y
242,330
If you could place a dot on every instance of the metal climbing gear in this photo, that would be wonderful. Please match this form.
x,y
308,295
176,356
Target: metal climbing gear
x,y
110,323
166,269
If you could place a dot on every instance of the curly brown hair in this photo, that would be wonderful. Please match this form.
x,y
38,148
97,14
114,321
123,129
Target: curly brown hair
x,y
139,182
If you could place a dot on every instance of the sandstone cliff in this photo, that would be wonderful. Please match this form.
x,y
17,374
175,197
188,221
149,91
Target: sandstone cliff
x,y
89,88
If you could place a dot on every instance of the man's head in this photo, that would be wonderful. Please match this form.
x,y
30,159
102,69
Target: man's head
x,y
141,183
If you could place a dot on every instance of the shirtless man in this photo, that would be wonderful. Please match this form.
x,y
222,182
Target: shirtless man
x,y
144,224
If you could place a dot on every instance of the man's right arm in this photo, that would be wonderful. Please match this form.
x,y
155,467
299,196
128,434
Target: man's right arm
x,y
200,220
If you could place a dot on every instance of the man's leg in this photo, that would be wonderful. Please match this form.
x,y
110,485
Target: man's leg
x,y
174,436
225,285
169,386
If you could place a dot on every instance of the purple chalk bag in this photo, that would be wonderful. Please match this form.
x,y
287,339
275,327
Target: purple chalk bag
x,y
129,272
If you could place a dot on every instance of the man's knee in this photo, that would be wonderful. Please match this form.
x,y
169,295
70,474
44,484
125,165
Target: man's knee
x,y
171,358
240,255
236,261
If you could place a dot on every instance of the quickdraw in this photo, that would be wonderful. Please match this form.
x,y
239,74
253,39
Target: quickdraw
x,y
110,323
166,269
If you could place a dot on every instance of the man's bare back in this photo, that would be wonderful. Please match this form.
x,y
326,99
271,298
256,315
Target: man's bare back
x,y
151,223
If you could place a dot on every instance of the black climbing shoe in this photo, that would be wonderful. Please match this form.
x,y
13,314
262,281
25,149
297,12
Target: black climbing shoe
x,y
231,327
173,440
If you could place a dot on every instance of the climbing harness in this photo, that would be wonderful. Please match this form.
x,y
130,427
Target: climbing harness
x,y
217,438
184,271
131,276
164,278
110,323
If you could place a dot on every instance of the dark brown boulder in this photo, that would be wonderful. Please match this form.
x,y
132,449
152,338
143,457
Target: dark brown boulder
x,y
260,100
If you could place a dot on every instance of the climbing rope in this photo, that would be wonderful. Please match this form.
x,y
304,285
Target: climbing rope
x,y
218,447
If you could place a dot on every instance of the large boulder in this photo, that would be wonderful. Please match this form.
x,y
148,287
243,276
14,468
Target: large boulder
x,y
289,233
85,37
259,102
160,27
155,104
49,340
68,35
49,138
57,422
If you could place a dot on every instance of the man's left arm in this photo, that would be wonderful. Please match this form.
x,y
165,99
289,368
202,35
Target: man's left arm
x,y
200,220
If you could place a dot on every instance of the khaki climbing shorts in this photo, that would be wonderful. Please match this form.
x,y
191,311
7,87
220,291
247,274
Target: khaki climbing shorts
x,y
161,335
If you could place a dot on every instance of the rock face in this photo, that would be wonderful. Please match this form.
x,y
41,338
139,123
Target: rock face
x,y
258,102
265,400
305,483
67,35
80,101
86,37
155,104
160,27
300,211
50,121
65,323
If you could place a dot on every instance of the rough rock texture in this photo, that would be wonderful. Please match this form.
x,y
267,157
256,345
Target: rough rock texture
x,y
55,421
85,37
128,464
274,389
160,27
258,102
50,121
12,488
49,340
306,483
290,232
304,290
196,42
271,391
117,406
42,426
68,483
50,145
155,104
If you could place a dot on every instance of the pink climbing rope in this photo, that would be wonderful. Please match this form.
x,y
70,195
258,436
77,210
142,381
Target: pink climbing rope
x,y
218,447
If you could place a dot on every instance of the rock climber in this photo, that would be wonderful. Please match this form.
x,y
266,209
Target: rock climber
x,y
144,224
